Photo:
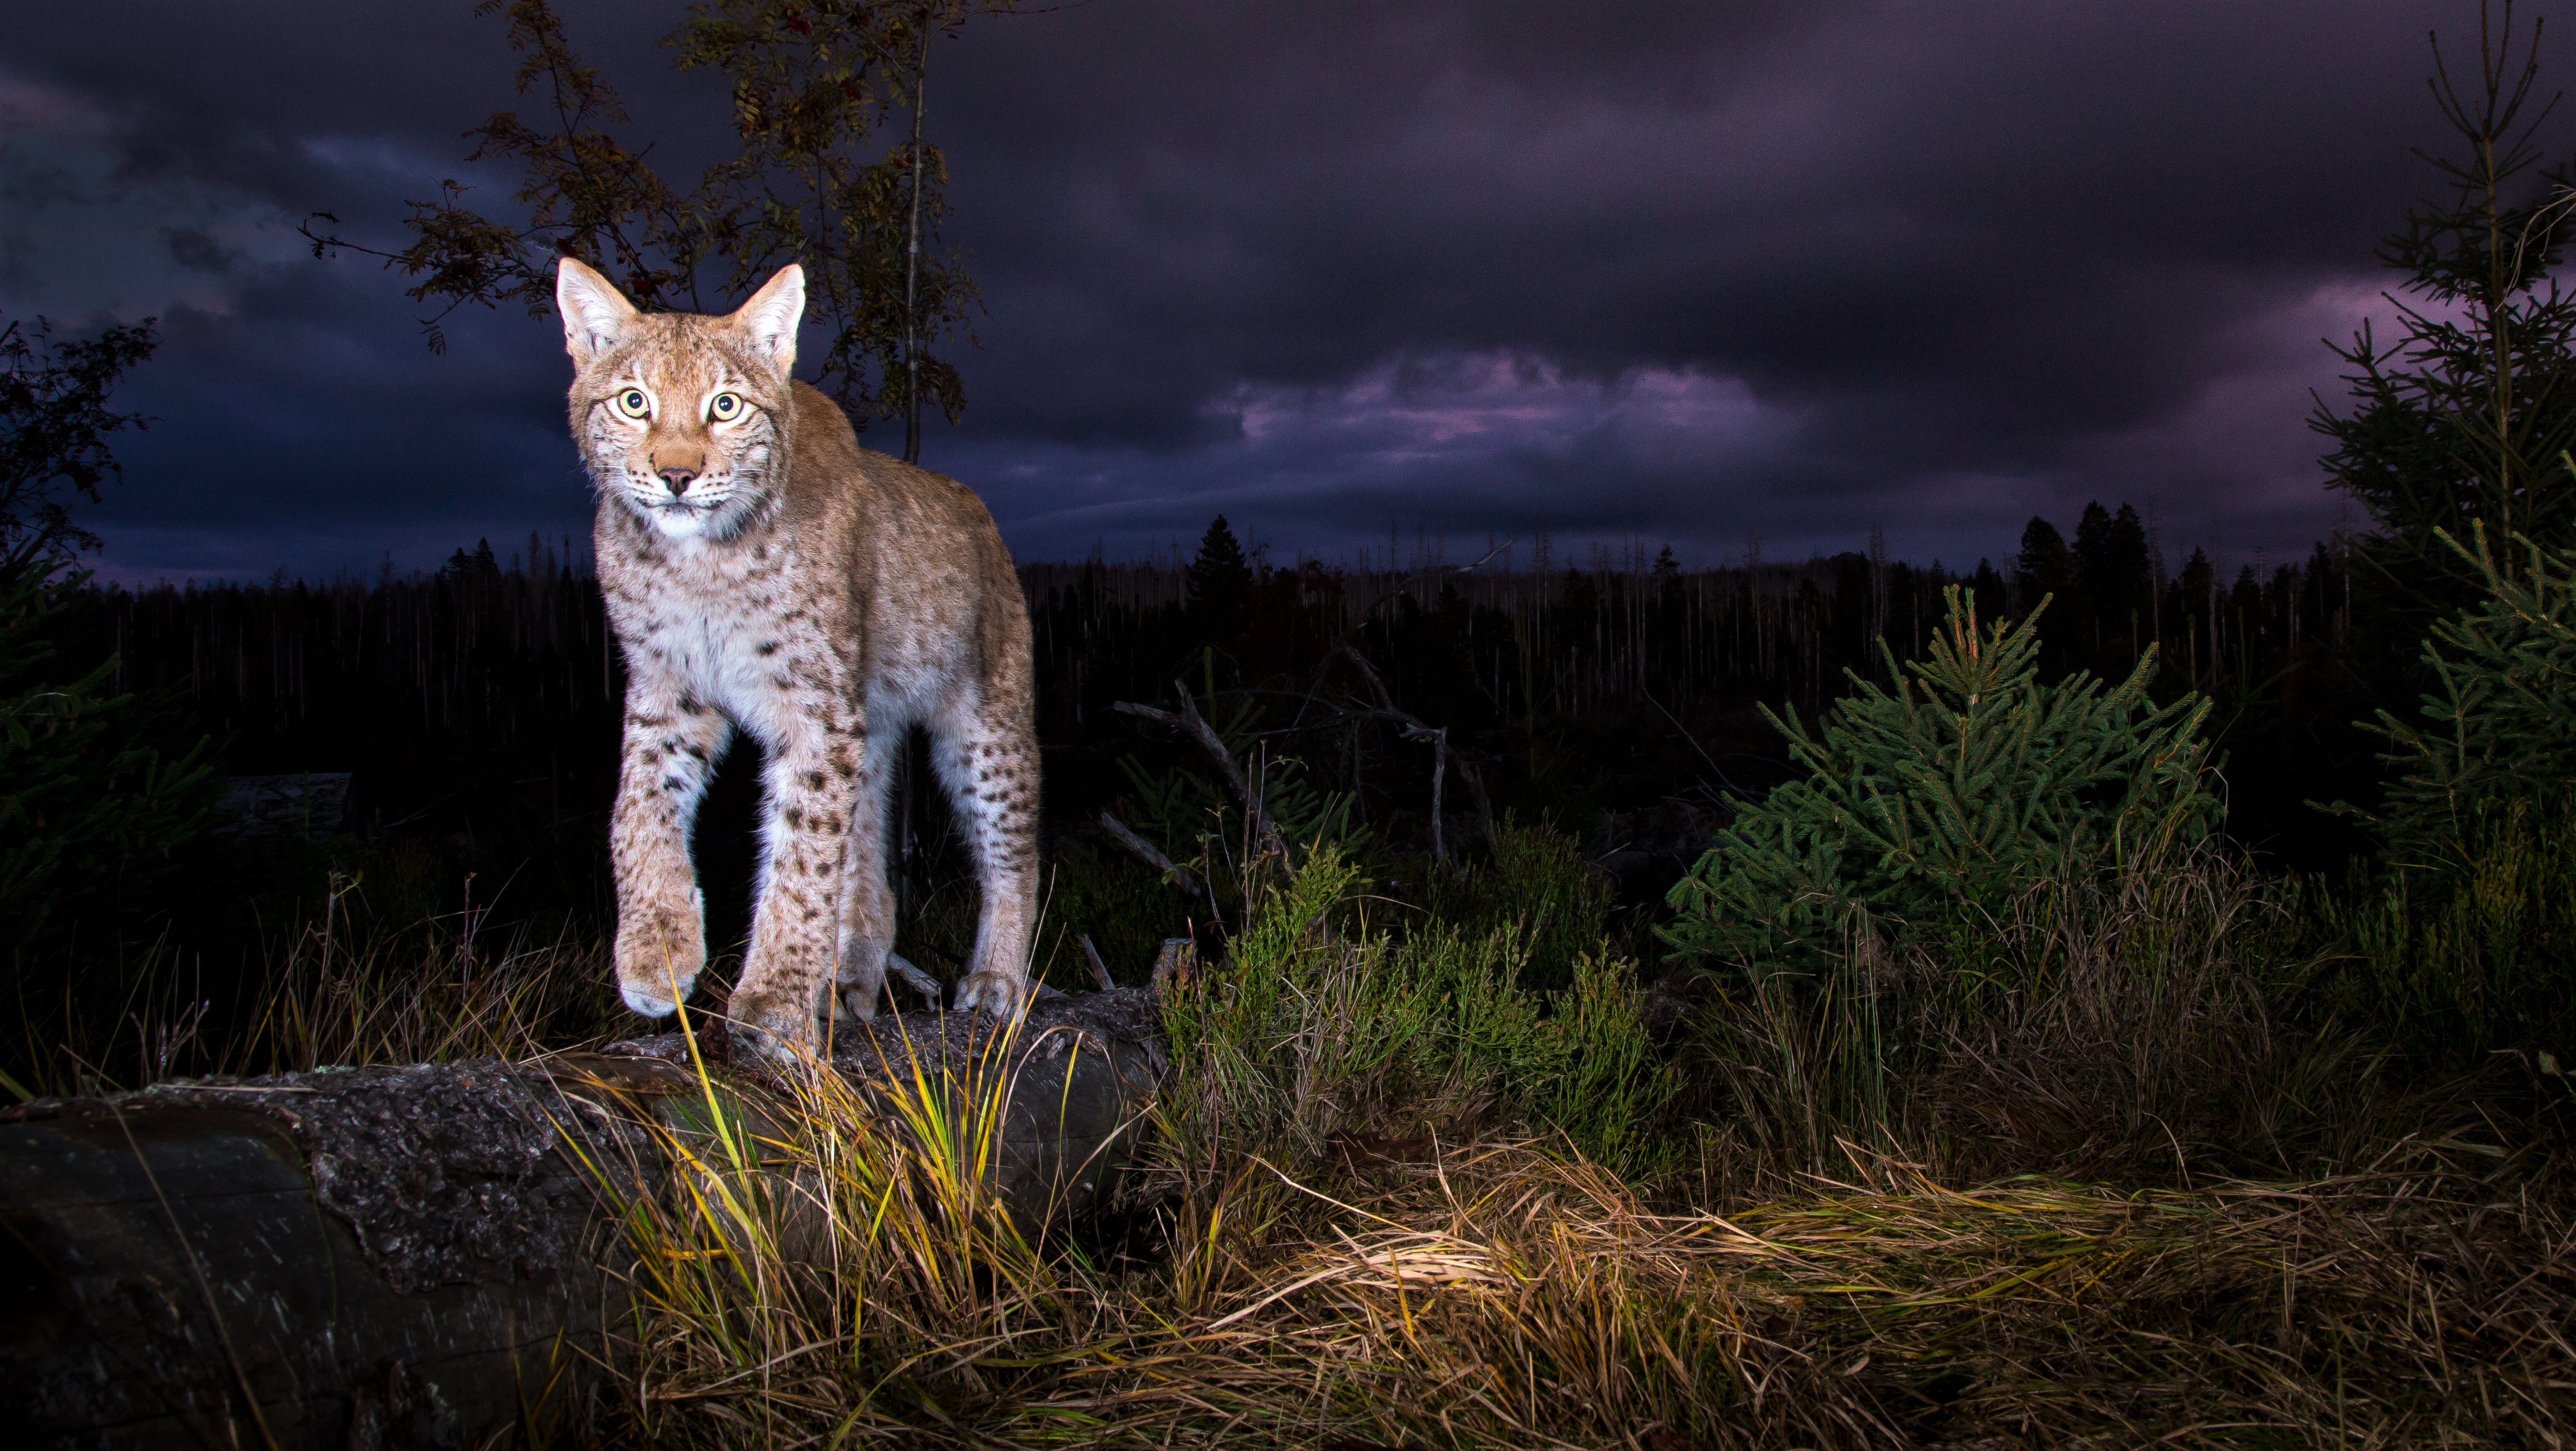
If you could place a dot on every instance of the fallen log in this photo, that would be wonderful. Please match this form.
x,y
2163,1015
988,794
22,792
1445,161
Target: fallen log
x,y
423,1256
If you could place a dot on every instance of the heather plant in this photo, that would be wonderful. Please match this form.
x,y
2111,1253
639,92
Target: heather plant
x,y
1316,1025
1924,807
1538,883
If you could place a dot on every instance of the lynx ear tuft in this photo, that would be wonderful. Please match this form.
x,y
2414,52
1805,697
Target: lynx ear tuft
x,y
772,316
595,313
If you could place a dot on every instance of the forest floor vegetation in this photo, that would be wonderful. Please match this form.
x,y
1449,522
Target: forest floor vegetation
x,y
1974,1091
2116,1172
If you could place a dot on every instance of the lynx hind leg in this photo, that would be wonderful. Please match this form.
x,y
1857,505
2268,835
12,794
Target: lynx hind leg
x,y
867,902
988,761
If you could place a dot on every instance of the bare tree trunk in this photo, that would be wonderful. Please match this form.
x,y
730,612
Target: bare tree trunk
x,y
1438,736
912,259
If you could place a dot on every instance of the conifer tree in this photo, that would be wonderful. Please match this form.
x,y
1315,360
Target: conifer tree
x,y
2464,414
2117,582
1986,591
1220,585
2499,725
1925,804
94,806
91,805
2044,569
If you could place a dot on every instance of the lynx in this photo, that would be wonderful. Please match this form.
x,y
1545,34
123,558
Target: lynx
x,y
766,574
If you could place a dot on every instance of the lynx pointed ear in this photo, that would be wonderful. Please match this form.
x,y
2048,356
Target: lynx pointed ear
x,y
772,316
595,313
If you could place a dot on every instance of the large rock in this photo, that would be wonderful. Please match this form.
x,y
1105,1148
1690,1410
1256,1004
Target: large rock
x,y
417,1256
1080,1072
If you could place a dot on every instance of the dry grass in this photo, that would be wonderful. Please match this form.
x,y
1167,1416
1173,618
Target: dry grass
x,y
1868,1262
839,1278
2151,1026
1881,1268
424,994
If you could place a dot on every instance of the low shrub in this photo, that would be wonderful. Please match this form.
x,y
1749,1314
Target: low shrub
x,y
2452,960
1539,884
1315,1024
2142,1025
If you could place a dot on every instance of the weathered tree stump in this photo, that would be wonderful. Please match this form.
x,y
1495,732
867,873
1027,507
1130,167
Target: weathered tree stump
x,y
418,1256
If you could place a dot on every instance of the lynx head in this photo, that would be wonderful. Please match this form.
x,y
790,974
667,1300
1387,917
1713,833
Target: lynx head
x,y
682,418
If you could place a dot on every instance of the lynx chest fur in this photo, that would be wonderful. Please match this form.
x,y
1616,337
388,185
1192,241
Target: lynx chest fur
x,y
766,574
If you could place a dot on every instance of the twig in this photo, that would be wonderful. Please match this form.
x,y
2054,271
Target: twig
x,y
1416,728
1190,723
1099,969
1342,642
917,980
1722,778
1145,851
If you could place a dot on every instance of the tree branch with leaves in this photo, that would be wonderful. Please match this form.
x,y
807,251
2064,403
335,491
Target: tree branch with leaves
x,y
55,427
813,83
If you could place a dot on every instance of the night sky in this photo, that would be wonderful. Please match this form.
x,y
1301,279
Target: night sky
x,y
1723,276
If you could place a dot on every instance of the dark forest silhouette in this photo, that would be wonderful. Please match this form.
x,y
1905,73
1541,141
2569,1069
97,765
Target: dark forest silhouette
x,y
490,687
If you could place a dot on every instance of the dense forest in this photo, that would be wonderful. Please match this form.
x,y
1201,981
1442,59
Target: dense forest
x,y
1612,695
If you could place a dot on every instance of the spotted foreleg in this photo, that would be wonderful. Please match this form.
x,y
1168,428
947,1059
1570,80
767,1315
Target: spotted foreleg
x,y
673,740
811,787
988,761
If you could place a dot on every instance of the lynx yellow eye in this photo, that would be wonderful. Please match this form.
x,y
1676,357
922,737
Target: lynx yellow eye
x,y
634,404
725,407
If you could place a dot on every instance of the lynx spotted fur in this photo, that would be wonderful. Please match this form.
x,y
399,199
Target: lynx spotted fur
x,y
765,573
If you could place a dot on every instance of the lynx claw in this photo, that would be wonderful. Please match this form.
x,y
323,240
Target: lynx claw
x,y
998,993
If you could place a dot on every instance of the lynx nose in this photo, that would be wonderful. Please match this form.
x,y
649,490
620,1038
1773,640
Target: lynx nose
x,y
676,479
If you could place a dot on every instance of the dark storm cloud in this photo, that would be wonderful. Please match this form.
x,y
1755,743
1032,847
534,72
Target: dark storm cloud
x,y
1948,242
1699,272
297,416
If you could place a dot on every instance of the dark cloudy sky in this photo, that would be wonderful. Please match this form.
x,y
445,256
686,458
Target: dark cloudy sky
x,y
1703,273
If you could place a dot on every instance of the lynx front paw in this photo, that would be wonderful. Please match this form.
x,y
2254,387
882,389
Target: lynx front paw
x,y
996,992
659,956
778,1028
